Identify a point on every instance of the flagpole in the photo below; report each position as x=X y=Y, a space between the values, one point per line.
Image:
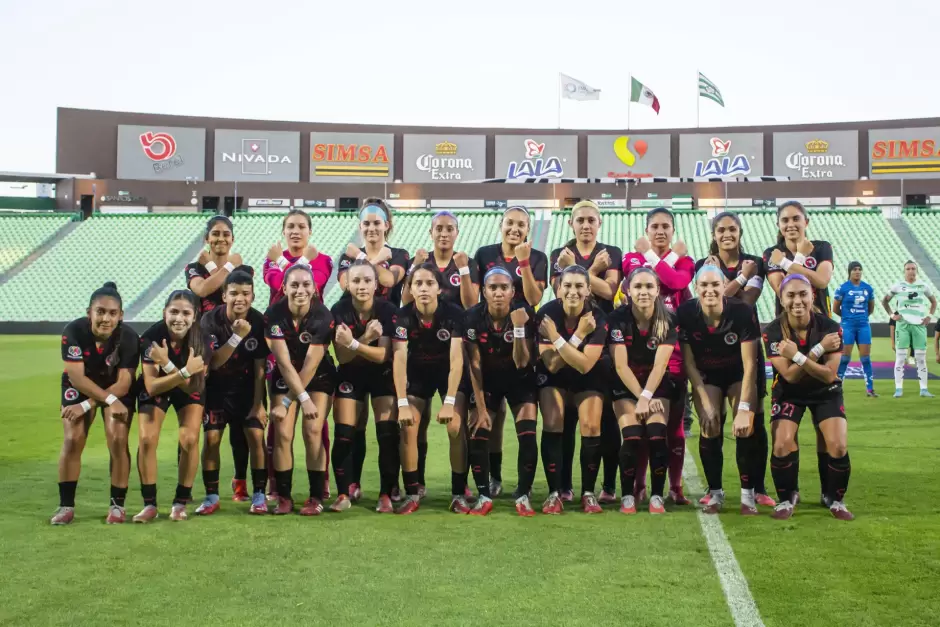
x=629 y=97
x=698 y=100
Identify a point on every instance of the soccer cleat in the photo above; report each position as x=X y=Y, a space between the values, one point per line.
x=765 y=500
x=396 y=494
x=795 y=498
x=62 y=516
x=749 y=510
x=341 y=504
x=178 y=512
x=704 y=499
x=284 y=506
x=898 y=393
x=524 y=507
x=677 y=497
x=240 y=490
x=657 y=506
x=484 y=506
x=716 y=499
x=116 y=515
x=459 y=505
x=312 y=507
x=871 y=394
x=748 y=503
x=607 y=498
x=355 y=492
x=384 y=506
x=782 y=511
x=468 y=494
x=566 y=496
x=496 y=488
x=553 y=504
x=925 y=394
x=628 y=505
x=422 y=491
x=209 y=506
x=410 y=505
x=589 y=504
x=839 y=510
x=147 y=514
x=259 y=505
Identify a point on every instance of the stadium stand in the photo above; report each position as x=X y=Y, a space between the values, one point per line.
x=21 y=234
x=926 y=228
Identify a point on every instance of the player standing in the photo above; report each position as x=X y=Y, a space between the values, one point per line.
x=854 y=301
x=100 y=356
x=912 y=317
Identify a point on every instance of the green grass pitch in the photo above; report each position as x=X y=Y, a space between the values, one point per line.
x=437 y=568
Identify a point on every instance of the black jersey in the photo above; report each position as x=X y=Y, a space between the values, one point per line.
x=492 y=255
x=196 y=270
x=399 y=258
x=641 y=345
x=731 y=272
x=238 y=370
x=495 y=345
x=822 y=251
x=316 y=328
x=820 y=326
x=122 y=350
x=616 y=258
x=451 y=274
x=718 y=348
x=345 y=313
x=429 y=343
x=555 y=310
x=159 y=332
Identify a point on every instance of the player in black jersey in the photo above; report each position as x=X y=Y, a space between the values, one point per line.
x=745 y=275
x=362 y=343
x=501 y=351
x=298 y=329
x=804 y=347
x=375 y=227
x=602 y=262
x=100 y=356
x=642 y=335
x=572 y=335
x=206 y=276
x=235 y=388
x=720 y=340
x=175 y=355
x=428 y=359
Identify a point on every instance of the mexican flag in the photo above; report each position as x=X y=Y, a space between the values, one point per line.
x=643 y=94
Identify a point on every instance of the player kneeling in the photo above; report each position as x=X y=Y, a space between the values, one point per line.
x=720 y=338
x=100 y=356
x=642 y=339
x=804 y=347
x=235 y=387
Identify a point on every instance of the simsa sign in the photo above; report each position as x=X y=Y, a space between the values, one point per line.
x=905 y=153
x=351 y=157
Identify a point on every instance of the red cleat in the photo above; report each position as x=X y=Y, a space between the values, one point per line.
x=459 y=505
x=178 y=512
x=312 y=507
x=284 y=506
x=704 y=499
x=715 y=502
x=384 y=506
x=62 y=516
x=341 y=504
x=147 y=514
x=553 y=504
x=763 y=499
x=783 y=511
x=240 y=491
x=657 y=506
x=839 y=510
x=355 y=492
x=207 y=508
x=483 y=507
x=677 y=497
x=524 y=507
x=566 y=496
x=589 y=504
x=468 y=494
x=116 y=515
x=628 y=505
x=410 y=505
x=422 y=491
x=607 y=498
x=259 y=508
x=748 y=510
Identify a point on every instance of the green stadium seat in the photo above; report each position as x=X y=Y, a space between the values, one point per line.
x=22 y=234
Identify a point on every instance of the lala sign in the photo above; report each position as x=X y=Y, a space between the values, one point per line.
x=721 y=164
x=537 y=168
x=442 y=165
x=817 y=164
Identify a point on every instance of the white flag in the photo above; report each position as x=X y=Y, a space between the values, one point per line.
x=573 y=89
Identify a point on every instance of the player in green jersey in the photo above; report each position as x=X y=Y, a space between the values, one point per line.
x=911 y=297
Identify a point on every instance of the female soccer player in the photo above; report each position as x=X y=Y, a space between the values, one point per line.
x=235 y=388
x=298 y=329
x=572 y=335
x=362 y=343
x=428 y=358
x=642 y=338
x=674 y=269
x=602 y=262
x=859 y=304
x=744 y=279
x=912 y=319
x=100 y=356
x=174 y=358
x=206 y=276
x=375 y=227
x=501 y=351
x=804 y=348
x=461 y=278
x=720 y=338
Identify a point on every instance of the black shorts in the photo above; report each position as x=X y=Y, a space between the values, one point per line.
x=821 y=407
x=570 y=380
x=668 y=389
x=359 y=382
x=516 y=386
x=230 y=408
x=71 y=396
x=175 y=397
x=426 y=380
x=324 y=380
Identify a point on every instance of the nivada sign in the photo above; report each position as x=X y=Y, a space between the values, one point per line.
x=257 y=156
x=346 y=157
x=904 y=152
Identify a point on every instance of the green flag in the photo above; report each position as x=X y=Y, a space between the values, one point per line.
x=707 y=89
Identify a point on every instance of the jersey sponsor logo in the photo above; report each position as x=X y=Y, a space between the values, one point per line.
x=70 y=394
x=305 y=337
x=455 y=279
x=251 y=344
x=507 y=336
x=443 y=335
x=401 y=333
x=75 y=351
x=276 y=331
x=281 y=384
x=810 y=263
x=471 y=334
x=616 y=335
x=731 y=338
x=345 y=387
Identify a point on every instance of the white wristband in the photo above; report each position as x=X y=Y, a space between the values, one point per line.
x=111 y=400
x=799 y=359
x=450 y=400
x=741 y=280
x=575 y=341
x=229 y=267
x=818 y=351
x=403 y=402
x=360 y=256
x=465 y=271
x=169 y=367
x=744 y=406
x=354 y=345
x=785 y=264
x=671 y=259
x=86 y=405
x=518 y=332
x=646 y=394
x=303 y=397
x=286 y=401
x=235 y=340
x=303 y=261
x=211 y=266
x=184 y=373
x=651 y=258
x=799 y=259
x=282 y=262
x=559 y=343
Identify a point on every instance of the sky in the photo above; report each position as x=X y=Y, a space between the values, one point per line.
x=449 y=63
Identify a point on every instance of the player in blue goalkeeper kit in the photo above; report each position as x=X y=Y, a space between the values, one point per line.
x=855 y=302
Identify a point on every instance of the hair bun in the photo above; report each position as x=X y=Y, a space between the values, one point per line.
x=110 y=285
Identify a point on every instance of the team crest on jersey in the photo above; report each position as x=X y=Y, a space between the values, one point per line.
x=109 y=360
x=143 y=396
x=652 y=343
x=473 y=398
x=542 y=379
x=634 y=261
x=471 y=334
x=774 y=348
x=507 y=336
x=147 y=352
x=616 y=335
x=251 y=344
x=193 y=272
x=71 y=394
x=731 y=338
x=401 y=333
x=443 y=335
x=281 y=384
x=214 y=342
x=519 y=271
x=558 y=267
x=75 y=351
x=276 y=331
x=345 y=387
x=455 y=279
x=344 y=263
x=810 y=263
x=774 y=409
x=305 y=337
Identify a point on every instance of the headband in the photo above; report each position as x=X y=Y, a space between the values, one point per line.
x=586 y=203
x=708 y=268
x=497 y=270
x=516 y=208
x=445 y=214
x=373 y=209
x=794 y=277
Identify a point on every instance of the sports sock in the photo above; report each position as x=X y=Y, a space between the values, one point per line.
x=410 y=477
x=210 y=479
x=920 y=358
x=569 y=443
x=713 y=459
x=149 y=493
x=422 y=460
x=343 y=443
x=284 y=480
x=239 y=444
x=118 y=495
x=659 y=456
x=784 y=471
x=642 y=464
x=67 y=493
x=839 y=471
x=822 y=466
x=745 y=454
x=458 y=483
x=258 y=477
x=386 y=433
x=480 y=459
x=317 y=479
x=552 y=444
x=496 y=465
x=528 y=459
x=843 y=364
x=675 y=439
x=590 y=462
x=900 y=358
x=761 y=452
x=358 y=456
x=869 y=375
x=184 y=494
x=269 y=454
x=610 y=448
x=632 y=438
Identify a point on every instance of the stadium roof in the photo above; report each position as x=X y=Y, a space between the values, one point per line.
x=32 y=177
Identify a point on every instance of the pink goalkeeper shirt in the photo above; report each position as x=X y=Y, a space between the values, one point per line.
x=322 y=268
